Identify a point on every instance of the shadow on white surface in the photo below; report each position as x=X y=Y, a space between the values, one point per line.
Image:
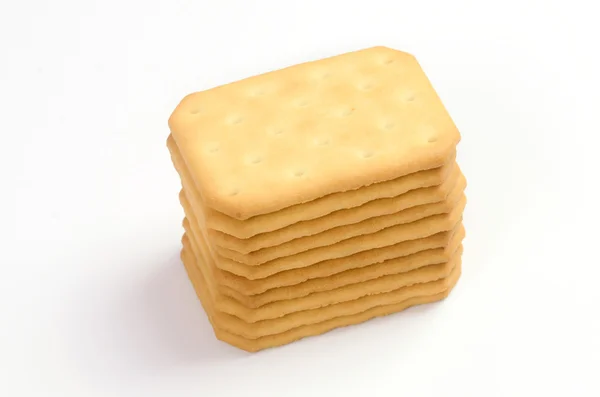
x=123 y=330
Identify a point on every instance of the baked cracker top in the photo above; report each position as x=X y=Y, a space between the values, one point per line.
x=296 y=134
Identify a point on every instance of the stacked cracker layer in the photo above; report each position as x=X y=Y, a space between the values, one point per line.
x=318 y=196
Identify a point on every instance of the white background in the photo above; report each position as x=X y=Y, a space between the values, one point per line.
x=94 y=300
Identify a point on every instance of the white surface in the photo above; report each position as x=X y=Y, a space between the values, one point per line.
x=94 y=300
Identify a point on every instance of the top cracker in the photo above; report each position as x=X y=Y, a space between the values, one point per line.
x=296 y=134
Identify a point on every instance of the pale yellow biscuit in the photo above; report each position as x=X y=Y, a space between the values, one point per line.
x=406 y=297
x=341 y=233
x=287 y=217
x=316 y=300
x=296 y=134
x=392 y=266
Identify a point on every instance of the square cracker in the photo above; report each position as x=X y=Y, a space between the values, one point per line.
x=345 y=248
x=315 y=300
x=276 y=221
x=296 y=134
x=341 y=233
x=418 y=294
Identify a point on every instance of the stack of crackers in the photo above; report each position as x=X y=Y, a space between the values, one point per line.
x=318 y=196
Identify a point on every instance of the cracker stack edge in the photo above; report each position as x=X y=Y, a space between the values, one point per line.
x=318 y=196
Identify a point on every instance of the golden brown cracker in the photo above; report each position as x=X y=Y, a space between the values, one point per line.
x=243 y=229
x=337 y=219
x=243 y=286
x=341 y=233
x=293 y=135
x=277 y=309
x=383 y=238
x=392 y=266
x=424 y=293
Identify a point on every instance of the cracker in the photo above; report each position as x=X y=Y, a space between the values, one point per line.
x=341 y=233
x=402 y=298
x=366 y=116
x=236 y=286
x=373 y=208
x=383 y=238
x=336 y=219
x=231 y=282
x=316 y=300
x=271 y=341
x=310 y=210
x=392 y=266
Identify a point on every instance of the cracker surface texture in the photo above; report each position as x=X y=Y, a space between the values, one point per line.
x=296 y=134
